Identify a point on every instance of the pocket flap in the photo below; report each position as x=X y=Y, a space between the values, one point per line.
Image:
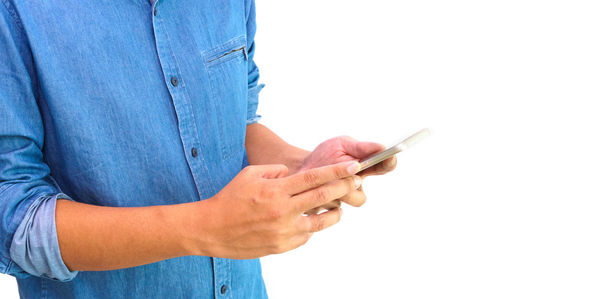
x=229 y=49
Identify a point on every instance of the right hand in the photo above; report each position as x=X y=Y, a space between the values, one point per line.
x=260 y=212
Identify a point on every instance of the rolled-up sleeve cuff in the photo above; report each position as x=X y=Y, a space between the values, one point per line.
x=253 y=104
x=34 y=247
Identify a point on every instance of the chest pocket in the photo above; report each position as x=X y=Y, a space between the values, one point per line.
x=227 y=66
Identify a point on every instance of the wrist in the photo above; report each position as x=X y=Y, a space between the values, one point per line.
x=265 y=147
x=184 y=223
x=295 y=159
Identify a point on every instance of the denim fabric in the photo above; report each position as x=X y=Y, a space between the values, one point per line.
x=121 y=103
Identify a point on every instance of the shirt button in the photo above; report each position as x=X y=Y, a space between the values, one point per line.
x=194 y=152
x=223 y=289
x=154 y=12
x=174 y=81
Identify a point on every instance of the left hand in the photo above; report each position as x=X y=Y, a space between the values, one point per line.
x=344 y=148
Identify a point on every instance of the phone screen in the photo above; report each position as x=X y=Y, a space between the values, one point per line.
x=392 y=150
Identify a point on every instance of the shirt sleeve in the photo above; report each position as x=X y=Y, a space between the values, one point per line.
x=253 y=87
x=28 y=194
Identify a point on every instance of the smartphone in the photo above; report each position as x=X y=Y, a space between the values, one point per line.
x=394 y=149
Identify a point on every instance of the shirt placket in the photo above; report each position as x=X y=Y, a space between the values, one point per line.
x=189 y=137
x=176 y=86
x=222 y=282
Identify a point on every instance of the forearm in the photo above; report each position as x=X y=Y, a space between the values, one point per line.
x=262 y=222
x=95 y=238
x=265 y=147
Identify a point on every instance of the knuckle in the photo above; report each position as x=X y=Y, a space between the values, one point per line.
x=255 y=197
x=319 y=223
x=340 y=172
x=321 y=194
x=362 y=198
x=310 y=177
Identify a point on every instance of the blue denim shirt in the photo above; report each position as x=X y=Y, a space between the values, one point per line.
x=121 y=103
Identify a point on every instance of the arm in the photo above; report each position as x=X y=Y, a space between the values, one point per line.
x=38 y=225
x=28 y=244
x=267 y=219
x=106 y=238
x=263 y=146
x=42 y=232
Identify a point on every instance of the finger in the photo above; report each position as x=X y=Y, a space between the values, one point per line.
x=295 y=241
x=361 y=150
x=300 y=240
x=316 y=177
x=326 y=193
x=315 y=223
x=380 y=168
x=355 y=198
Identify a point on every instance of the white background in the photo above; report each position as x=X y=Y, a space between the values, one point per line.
x=502 y=201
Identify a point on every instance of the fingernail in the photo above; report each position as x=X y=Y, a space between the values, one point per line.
x=357 y=181
x=353 y=168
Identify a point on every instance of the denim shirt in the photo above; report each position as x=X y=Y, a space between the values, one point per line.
x=121 y=103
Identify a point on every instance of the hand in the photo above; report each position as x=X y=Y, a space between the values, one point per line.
x=341 y=149
x=260 y=211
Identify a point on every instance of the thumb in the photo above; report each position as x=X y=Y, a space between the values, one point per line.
x=361 y=149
